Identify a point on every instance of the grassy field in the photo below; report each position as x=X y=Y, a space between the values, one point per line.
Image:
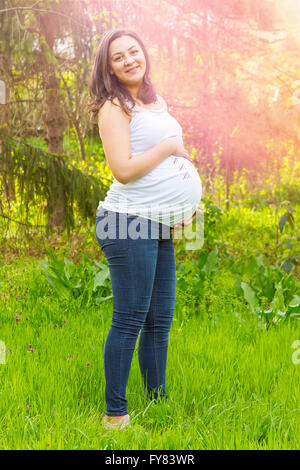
x=233 y=368
x=232 y=383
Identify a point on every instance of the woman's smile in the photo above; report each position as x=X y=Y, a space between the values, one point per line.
x=133 y=70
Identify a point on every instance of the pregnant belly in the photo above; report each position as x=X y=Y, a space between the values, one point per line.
x=178 y=180
x=173 y=187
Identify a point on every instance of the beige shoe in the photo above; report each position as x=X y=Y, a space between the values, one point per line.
x=124 y=421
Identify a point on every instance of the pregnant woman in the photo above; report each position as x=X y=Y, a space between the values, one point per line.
x=155 y=188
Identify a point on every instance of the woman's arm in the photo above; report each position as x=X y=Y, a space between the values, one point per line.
x=140 y=164
x=114 y=129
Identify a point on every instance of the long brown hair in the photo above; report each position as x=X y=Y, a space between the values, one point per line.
x=104 y=86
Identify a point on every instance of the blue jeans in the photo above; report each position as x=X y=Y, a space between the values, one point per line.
x=142 y=272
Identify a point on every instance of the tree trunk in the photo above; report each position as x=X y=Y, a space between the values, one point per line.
x=54 y=128
x=52 y=112
x=9 y=193
x=52 y=115
x=80 y=139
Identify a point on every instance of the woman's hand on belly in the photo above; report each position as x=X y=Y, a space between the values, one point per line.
x=187 y=222
x=187 y=156
x=179 y=149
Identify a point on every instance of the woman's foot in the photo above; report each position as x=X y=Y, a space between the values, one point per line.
x=116 y=422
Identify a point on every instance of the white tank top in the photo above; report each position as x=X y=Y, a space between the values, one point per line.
x=170 y=192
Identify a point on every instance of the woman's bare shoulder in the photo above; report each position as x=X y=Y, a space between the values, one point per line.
x=111 y=104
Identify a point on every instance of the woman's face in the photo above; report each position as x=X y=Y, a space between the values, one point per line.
x=127 y=60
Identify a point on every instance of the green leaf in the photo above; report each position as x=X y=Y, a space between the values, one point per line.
x=181 y=283
x=251 y=267
x=287 y=265
x=56 y=265
x=99 y=300
x=283 y=220
x=249 y=295
x=291 y=220
x=54 y=275
x=68 y=268
x=99 y=265
x=58 y=286
x=238 y=289
x=277 y=303
x=211 y=262
x=260 y=260
x=100 y=278
x=295 y=302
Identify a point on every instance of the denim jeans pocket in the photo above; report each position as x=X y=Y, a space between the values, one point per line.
x=107 y=231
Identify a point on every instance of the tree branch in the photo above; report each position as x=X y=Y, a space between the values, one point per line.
x=21 y=223
x=40 y=10
x=6 y=10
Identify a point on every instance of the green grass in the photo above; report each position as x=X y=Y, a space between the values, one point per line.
x=232 y=384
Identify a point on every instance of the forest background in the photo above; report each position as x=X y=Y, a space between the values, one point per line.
x=228 y=70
